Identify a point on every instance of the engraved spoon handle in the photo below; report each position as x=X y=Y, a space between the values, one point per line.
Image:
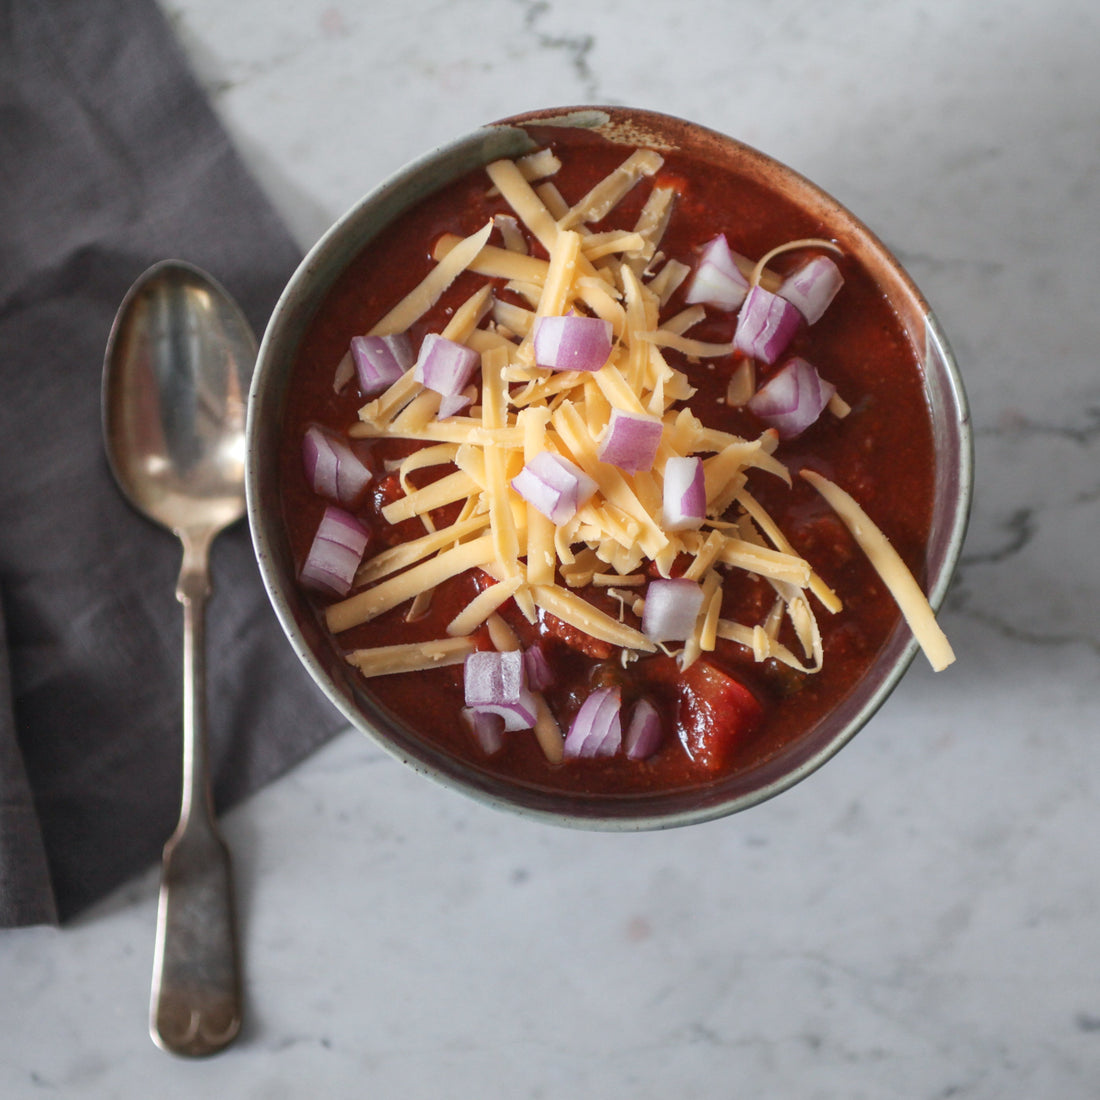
x=196 y=996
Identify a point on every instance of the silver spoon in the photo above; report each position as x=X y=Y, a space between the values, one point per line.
x=175 y=381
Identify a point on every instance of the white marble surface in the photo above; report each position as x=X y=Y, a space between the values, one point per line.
x=921 y=918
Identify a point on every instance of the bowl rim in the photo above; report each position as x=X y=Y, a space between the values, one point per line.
x=303 y=294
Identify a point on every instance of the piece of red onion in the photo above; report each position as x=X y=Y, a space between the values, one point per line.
x=540 y=673
x=597 y=728
x=453 y=403
x=631 y=441
x=671 y=608
x=572 y=342
x=812 y=287
x=445 y=366
x=765 y=325
x=487 y=729
x=717 y=280
x=335 y=553
x=645 y=732
x=496 y=683
x=380 y=360
x=792 y=399
x=553 y=485
x=684 y=505
x=332 y=468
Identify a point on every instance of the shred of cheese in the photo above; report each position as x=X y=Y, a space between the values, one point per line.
x=547 y=731
x=557 y=290
x=469 y=315
x=687 y=318
x=552 y=199
x=894 y=572
x=697 y=349
x=521 y=197
x=652 y=223
x=762 y=645
x=539 y=164
x=742 y=384
x=424 y=458
x=372 y=602
x=780 y=541
x=423 y=296
x=494 y=262
x=515 y=318
x=510 y=233
x=421 y=604
x=598 y=245
x=399 y=557
x=436 y=494
x=572 y=609
x=383 y=408
x=756 y=273
x=603 y=302
x=411 y=656
x=667 y=281
x=612 y=189
x=483 y=605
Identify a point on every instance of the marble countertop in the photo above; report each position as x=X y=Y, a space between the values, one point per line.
x=917 y=919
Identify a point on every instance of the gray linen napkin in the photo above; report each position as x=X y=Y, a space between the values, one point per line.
x=110 y=159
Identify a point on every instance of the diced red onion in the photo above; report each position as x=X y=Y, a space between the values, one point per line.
x=717 y=280
x=380 y=360
x=572 y=342
x=792 y=399
x=496 y=683
x=765 y=325
x=540 y=673
x=631 y=441
x=645 y=732
x=336 y=552
x=597 y=728
x=671 y=608
x=553 y=485
x=332 y=468
x=455 y=403
x=812 y=287
x=685 y=494
x=487 y=729
x=445 y=366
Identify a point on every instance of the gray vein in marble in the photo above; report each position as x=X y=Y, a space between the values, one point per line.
x=576 y=47
x=1022 y=427
x=1020 y=528
x=1015 y=632
x=983 y=267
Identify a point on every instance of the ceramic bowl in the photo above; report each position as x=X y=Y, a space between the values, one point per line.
x=351 y=695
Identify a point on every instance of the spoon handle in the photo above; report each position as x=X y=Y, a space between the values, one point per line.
x=196 y=996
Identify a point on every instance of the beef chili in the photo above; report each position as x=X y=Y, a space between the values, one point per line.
x=678 y=595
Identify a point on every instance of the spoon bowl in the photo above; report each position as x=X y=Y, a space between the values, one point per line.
x=176 y=374
x=179 y=363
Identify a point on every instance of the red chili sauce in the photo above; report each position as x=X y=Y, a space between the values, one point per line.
x=881 y=453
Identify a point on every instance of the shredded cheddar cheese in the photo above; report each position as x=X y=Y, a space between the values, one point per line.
x=893 y=571
x=617 y=537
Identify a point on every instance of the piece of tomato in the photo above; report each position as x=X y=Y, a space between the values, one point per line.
x=715 y=712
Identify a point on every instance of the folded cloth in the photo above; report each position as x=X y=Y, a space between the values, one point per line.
x=111 y=159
